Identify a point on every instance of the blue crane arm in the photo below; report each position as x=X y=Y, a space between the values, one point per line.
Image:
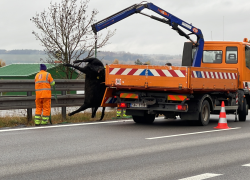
x=169 y=19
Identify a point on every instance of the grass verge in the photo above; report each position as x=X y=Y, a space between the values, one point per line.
x=13 y=121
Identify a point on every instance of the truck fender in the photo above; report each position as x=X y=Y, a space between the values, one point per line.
x=194 y=107
x=195 y=103
x=210 y=100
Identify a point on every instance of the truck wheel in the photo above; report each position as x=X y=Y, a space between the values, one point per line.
x=149 y=118
x=243 y=113
x=138 y=119
x=146 y=119
x=204 y=114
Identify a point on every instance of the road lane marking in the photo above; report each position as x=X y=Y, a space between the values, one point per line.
x=186 y=134
x=60 y=126
x=65 y=125
x=246 y=165
x=201 y=176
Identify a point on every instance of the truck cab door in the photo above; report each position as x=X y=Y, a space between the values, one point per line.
x=246 y=67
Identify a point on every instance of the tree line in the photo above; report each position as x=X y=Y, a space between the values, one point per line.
x=107 y=57
x=21 y=51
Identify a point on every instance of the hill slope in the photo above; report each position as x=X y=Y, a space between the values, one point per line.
x=35 y=56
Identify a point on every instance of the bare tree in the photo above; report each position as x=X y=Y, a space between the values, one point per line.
x=2 y=63
x=138 y=62
x=66 y=34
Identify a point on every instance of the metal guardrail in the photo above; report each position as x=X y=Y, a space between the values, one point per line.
x=29 y=85
x=25 y=102
x=28 y=102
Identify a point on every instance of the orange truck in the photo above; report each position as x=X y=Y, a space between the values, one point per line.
x=193 y=93
x=211 y=72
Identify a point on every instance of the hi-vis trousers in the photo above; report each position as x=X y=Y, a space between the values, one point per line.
x=43 y=106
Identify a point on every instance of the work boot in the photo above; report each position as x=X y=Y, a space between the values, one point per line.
x=37 y=120
x=45 y=120
x=124 y=113
x=118 y=113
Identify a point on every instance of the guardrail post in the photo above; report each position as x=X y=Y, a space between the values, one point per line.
x=93 y=109
x=64 y=108
x=29 y=110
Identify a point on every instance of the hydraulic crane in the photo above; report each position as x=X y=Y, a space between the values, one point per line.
x=169 y=19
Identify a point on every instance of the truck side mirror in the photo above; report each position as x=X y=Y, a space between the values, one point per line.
x=187 y=58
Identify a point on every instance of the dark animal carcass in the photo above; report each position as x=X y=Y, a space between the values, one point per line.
x=94 y=85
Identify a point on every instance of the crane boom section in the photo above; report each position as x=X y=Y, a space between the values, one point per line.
x=168 y=19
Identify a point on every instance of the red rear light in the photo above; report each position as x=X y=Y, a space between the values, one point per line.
x=181 y=107
x=123 y=105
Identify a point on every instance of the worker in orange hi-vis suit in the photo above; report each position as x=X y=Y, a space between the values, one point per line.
x=43 y=83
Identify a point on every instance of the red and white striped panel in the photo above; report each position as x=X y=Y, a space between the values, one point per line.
x=168 y=73
x=150 y=72
x=236 y=98
x=213 y=75
x=246 y=85
x=109 y=100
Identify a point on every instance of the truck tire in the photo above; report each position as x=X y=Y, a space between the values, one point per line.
x=204 y=114
x=244 y=112
x=138 y=119
x=146 y=119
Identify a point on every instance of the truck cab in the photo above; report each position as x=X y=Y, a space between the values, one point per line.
x=223 y=55
x=228 y=55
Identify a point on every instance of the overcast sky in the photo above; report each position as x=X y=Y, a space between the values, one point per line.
x=137 y=33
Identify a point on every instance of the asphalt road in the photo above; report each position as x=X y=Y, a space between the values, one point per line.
x=167 y=149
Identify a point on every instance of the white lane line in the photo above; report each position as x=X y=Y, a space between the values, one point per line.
x=201 y=176
x=202 y=132
x=66 y=125
x=246 y=165
x=60 y=126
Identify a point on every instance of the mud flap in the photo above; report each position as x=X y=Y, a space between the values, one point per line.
x=108 y=99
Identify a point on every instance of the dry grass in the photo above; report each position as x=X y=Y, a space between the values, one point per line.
x=56 y=119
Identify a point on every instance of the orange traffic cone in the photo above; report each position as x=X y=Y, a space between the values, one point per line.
x=222 y=121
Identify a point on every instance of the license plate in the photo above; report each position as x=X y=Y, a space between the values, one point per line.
x=138 y=105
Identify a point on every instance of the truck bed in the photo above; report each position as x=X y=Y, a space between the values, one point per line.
x=171 y=78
